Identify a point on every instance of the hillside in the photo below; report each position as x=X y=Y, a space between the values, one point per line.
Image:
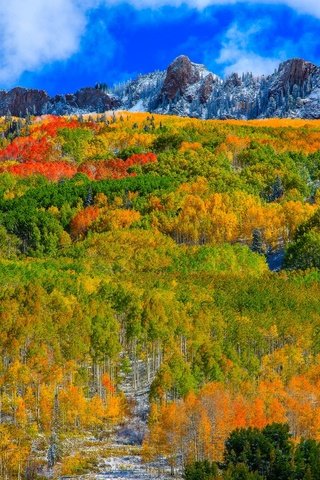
x=139 y=319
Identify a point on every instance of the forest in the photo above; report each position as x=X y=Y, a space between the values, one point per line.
x=132 y=239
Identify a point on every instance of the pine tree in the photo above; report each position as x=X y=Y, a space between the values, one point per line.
x=257 y=241
x=89 y=198
x=8 y=117
x=277 y=190
x=53 y=453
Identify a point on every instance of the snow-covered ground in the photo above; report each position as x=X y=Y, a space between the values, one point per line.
x=131 y=467
x=124 y=460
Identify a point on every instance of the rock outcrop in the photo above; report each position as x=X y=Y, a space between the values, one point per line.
x=21 y=101
x=85 y=100
x=180 y=75
x=295 y=72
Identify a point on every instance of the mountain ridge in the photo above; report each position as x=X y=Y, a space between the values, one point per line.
x=188 y=89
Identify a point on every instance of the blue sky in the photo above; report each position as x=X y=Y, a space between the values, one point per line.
x=62 y=45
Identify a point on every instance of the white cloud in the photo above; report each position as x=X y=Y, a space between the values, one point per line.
x=34 y=33
x=237 y=55
x=311 y=7
x=252 y=63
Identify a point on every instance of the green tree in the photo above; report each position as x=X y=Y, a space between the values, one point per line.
x=240 y=472
x=307 y=460
x=257 y=241
x=267 y=452
x=202 y=470
x=74 y=142
x=304 y=252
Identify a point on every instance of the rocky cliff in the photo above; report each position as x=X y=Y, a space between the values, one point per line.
x=188 y=89
x=22 y=101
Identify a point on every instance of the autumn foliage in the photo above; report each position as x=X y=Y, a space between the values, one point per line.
x=54 y=171
x=197 y=427
x=26 y=149
x=139 y=250
x=82 y=221
x=116 y=168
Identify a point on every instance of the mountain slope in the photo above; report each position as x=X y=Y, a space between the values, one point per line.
x=188 y=89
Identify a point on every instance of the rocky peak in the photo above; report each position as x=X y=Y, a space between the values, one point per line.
x=292 y=72
x=296 y=70
x=233 y=81
x=96 y=99
x=20 y=101
x=86 y=99
x=207 y=87
x=180 y=75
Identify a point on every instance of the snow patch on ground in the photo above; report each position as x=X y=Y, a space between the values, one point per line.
x=128 y=438
x=138 y=107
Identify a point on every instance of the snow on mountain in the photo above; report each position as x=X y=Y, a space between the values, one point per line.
x=136 y=95
x=188 y=89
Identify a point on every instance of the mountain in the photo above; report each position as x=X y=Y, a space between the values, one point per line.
x=183 y=89
x=21 y=101
x=188 y=89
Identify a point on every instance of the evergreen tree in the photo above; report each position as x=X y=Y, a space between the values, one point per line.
x=267 y=452
x=257 y=241
x=240 y=472
x=307 y=460
x=201 y=470
x=53 y=453
x=280 y=467
x=89 y=198
x=8 y=117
